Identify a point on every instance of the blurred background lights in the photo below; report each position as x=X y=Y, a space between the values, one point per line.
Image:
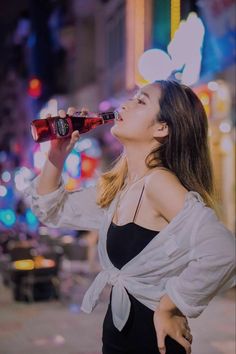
x=50 y=108
x=39 y=159
x=20 y=182
x=83 y=144
x=3 y=191
x=3 y=156
x=225 y=127
x=104 y=106
x=45 y=146
x=213 y=85
x=35 y=87
x=22 y=178
x=72 y=164
x=226 y=144
x=90 y=146
x=26 y=172
x=204 y=99
x=6 y=176
x=71 y=183
x=223 y=92
x=43 y=231
x=155 y=64
x=8 y=217
x=31 y=218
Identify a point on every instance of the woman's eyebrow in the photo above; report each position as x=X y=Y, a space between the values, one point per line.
x=145 y=94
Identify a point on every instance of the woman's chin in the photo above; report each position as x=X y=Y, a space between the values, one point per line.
x=115 y=132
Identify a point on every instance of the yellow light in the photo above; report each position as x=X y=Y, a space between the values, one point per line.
x=205 y=99
x=71 y=184
x=130 y=44
x=139 y=36
x=175 y=16
x=135 y=34
x=24 y=264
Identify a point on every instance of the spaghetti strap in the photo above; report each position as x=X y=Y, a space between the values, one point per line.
x=136 y=211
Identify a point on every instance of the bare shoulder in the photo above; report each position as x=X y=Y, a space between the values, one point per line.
x=165 y=192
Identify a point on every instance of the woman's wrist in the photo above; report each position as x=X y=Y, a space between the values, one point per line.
x=56 y=159
x=167 y=305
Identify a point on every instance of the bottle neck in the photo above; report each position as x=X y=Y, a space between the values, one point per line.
x=108 y=116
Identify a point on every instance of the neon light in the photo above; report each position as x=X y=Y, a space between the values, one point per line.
x=7 y=217
x=139 y=36
x=175 y=16
x=135 y=37
x=130 y=14
x=31 y=218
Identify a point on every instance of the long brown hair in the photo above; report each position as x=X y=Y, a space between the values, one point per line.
x=185 y=151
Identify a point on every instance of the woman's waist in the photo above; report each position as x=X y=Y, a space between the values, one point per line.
x=135 y=303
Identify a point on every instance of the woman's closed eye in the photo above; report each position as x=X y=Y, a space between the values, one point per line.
x=140 y=101
x=138 y=98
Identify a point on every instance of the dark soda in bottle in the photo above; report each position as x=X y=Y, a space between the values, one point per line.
x=59 y=128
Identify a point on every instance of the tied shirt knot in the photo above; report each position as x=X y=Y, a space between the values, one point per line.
x=120 y=302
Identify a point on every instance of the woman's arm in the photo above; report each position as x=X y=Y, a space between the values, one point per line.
x=50 y=175
x=60 y=208
x=167 y=197
x=51 y=203
x=211 y=266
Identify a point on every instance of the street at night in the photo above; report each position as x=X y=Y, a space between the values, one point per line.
x=117 y=176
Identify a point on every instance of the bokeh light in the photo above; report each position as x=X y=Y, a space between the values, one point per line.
x=155 y=64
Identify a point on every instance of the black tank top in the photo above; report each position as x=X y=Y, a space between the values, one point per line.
x=124 y=242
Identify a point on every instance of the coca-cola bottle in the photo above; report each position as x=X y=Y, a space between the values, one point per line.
x=58 y=128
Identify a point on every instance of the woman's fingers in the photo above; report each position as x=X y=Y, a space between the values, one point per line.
x=71 y=111
x=75 y=136
x=84 y=111
x=189 y=337
x=161 y=342
x=62 y=113
x=185 y=343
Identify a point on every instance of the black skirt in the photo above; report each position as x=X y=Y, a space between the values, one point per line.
x=138 y=336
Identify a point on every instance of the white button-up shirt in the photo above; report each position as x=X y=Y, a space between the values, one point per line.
x=191 y=259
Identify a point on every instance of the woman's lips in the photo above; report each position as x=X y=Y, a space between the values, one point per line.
x=119 y=118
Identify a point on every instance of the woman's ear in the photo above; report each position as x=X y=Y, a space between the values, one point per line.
x=160 y=130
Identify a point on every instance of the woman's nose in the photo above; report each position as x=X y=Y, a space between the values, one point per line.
x=127 y=103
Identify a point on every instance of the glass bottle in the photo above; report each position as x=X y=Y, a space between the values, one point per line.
x=59 y=128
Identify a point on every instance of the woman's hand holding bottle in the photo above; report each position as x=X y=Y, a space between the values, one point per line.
x=60 y=148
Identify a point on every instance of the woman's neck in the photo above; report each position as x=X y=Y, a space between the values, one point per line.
x=136 y=163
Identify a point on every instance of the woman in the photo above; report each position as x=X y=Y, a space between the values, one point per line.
x=161 y=246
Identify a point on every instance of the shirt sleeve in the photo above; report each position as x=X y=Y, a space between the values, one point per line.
x=211 y=269
x=63 y=209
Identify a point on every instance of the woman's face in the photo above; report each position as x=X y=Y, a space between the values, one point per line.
x=138 y=116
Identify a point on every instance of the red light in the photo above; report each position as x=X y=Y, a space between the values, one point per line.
x=35 y=88
x=88 y=166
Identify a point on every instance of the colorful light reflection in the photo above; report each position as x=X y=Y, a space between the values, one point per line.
x=8 y=217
